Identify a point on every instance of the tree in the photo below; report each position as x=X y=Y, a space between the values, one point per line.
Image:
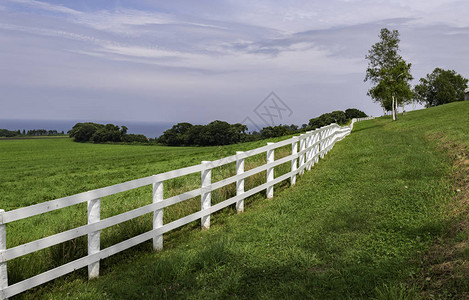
x=99 y=133
x=351 y=113
x=388 y=72
x=339 y=117
x=238 y=133
x=177 y=135
x=440 y=87
x=124 y=130
x=192 y=137
x=107 y=133
x=213 y=134
x=82 y=132
x=275 y=131
x=322 y=120
x=216 y=133
x=315 y=123
x=7 y=133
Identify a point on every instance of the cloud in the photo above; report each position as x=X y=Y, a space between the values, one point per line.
x=214 y=60
x=46 y=6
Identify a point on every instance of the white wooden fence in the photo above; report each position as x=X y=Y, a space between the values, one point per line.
x=313 y=145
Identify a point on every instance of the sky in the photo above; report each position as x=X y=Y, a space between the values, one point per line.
x=199 y=61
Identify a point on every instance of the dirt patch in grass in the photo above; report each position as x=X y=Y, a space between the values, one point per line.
x=445 y=267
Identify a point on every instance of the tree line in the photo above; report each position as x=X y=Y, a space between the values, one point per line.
x=33 y=132
x=216 y=133
x=390 y=77
x=100 y=133
x=219 y=133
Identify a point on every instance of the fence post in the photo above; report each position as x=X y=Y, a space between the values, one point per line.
x=306 y=152
x=206 y=197
x=270 y=171
x=322 y=143
x=334 y=130
x=3 y=247
x=316 y=139
x=327 y=141
x=309 y=142
x=158 y=215
x=302 y=156
x=294 y=151
x=94 y=215
x=240 y=182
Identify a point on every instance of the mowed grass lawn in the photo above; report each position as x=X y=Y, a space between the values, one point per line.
x=360 y=224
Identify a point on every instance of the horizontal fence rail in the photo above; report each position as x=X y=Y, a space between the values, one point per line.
x=307 y=149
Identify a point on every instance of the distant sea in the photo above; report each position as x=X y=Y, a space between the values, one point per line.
x=149 y=129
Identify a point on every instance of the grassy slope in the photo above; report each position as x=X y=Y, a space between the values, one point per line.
x=357 y=225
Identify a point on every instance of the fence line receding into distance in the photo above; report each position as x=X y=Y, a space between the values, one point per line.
x=313 y=145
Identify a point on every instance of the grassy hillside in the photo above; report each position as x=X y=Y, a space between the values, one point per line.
x=380 y=217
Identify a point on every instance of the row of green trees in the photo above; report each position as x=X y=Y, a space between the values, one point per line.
x=99 y=133
x=33 y=132
x=222 y=133
x=390 y=76
x=216 y=133
x=212 y=134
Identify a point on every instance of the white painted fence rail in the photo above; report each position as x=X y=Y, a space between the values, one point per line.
x=312 y=146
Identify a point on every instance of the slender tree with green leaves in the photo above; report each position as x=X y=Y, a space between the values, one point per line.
x=388 y=72
x=440 y=87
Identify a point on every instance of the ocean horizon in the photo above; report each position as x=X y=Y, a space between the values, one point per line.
x=149 y=129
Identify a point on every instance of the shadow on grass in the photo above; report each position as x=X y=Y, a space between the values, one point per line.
x=369 y=127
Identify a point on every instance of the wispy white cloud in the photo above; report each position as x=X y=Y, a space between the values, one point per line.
x=56 y=33
x=127 y=20
x=46 y=6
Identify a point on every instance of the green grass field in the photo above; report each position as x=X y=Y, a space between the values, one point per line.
x=366 y=222
x=45 y=169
